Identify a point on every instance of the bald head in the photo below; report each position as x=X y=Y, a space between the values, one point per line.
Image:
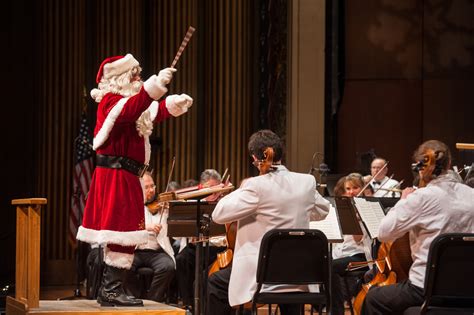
x=375 y=166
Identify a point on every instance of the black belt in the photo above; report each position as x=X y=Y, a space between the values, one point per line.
x=123 y=162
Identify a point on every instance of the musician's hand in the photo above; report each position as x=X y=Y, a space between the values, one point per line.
x=357 y=238
x=157 y=228
x=406 y=192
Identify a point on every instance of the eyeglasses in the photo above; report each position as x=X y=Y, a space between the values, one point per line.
x=150 y=187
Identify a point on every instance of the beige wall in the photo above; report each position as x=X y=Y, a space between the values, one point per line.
x=306 y=83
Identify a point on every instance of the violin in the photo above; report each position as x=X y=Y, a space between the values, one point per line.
x=160 y=201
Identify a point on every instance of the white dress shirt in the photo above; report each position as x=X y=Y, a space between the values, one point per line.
x=161 y=240
x=280 y=199
x=444 y=206
x=385 y=183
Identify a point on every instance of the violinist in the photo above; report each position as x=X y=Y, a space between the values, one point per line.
x=441 y=205
x=277 y=198
x=352 y=249
x=380 y=182
x=157 y=253
x=186 y=259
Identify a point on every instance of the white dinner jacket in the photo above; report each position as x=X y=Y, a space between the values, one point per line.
x=280 y=199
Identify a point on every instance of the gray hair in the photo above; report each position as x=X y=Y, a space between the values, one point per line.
x=210 y=174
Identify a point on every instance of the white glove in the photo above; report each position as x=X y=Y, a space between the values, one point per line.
x=178 y=104
x=165 y=75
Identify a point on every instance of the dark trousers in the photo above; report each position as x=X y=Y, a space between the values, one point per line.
x=392 y=299
x=185 y=269
x=163 y=272
x=338 y=273
x=218 y=293
x=218 y=296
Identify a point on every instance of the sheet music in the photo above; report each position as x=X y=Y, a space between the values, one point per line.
x=371 y=213
x=329 y=226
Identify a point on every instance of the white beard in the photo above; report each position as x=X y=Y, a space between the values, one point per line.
x=131 y=89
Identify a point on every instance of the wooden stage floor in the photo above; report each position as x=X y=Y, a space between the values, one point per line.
x=49 y=304
x=92 y=307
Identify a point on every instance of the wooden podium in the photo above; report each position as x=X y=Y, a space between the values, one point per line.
x=27 y=277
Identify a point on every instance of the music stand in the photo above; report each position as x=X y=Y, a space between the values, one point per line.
x=347 y=215
x=189 y=219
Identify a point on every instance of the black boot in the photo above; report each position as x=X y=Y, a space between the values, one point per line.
x=111 y=293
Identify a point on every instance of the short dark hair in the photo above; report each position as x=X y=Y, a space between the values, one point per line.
x=263 y=139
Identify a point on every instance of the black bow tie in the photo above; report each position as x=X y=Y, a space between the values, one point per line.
x=377 y=183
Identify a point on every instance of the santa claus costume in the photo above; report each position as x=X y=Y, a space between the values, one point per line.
x=113 y=215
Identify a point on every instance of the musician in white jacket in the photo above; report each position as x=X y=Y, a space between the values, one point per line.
x=444 y=205
x=157 y=253
x=277 y=199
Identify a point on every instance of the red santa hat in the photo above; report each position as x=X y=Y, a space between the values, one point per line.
x=116 y=65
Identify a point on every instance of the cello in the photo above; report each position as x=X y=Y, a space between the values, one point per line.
x=394 y=258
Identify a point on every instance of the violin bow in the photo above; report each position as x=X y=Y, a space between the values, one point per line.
x=383 y=183
x=171 y=173
x=368 y=183
x=169 y=180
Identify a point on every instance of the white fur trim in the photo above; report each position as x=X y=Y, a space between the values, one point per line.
x=145 y=126
x=108 y=124
x=119 y=66
x=118 y=260
x=154 y=87
x=153 y=108
x=132 y=238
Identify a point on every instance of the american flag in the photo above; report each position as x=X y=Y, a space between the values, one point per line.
x=82 y=175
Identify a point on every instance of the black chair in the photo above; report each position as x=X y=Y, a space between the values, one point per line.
x=296 y=257
x=449 y=281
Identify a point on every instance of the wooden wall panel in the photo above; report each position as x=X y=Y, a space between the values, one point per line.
x=59 y=106
x=227 y=87
x=390 y=125
x=169 y=22
x=409 y=74
x=383 y=39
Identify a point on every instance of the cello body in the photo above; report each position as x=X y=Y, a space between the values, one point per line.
x=393 y=264
x=224 y=259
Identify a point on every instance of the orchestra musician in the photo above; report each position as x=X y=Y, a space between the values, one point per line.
x=278 y=199
x=351 y=249
x=381 y=182
x=157 y=253
x=186 y=259
x=444 y=205
x=113 y=215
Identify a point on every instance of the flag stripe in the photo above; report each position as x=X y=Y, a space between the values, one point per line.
x=82 y=175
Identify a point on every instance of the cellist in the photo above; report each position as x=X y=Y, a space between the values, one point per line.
x=277 y=198
x=441 y=205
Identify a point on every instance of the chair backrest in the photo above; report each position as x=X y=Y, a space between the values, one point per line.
x=293 y=256
x=449 y=278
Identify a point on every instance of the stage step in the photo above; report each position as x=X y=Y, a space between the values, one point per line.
x=89 y=307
